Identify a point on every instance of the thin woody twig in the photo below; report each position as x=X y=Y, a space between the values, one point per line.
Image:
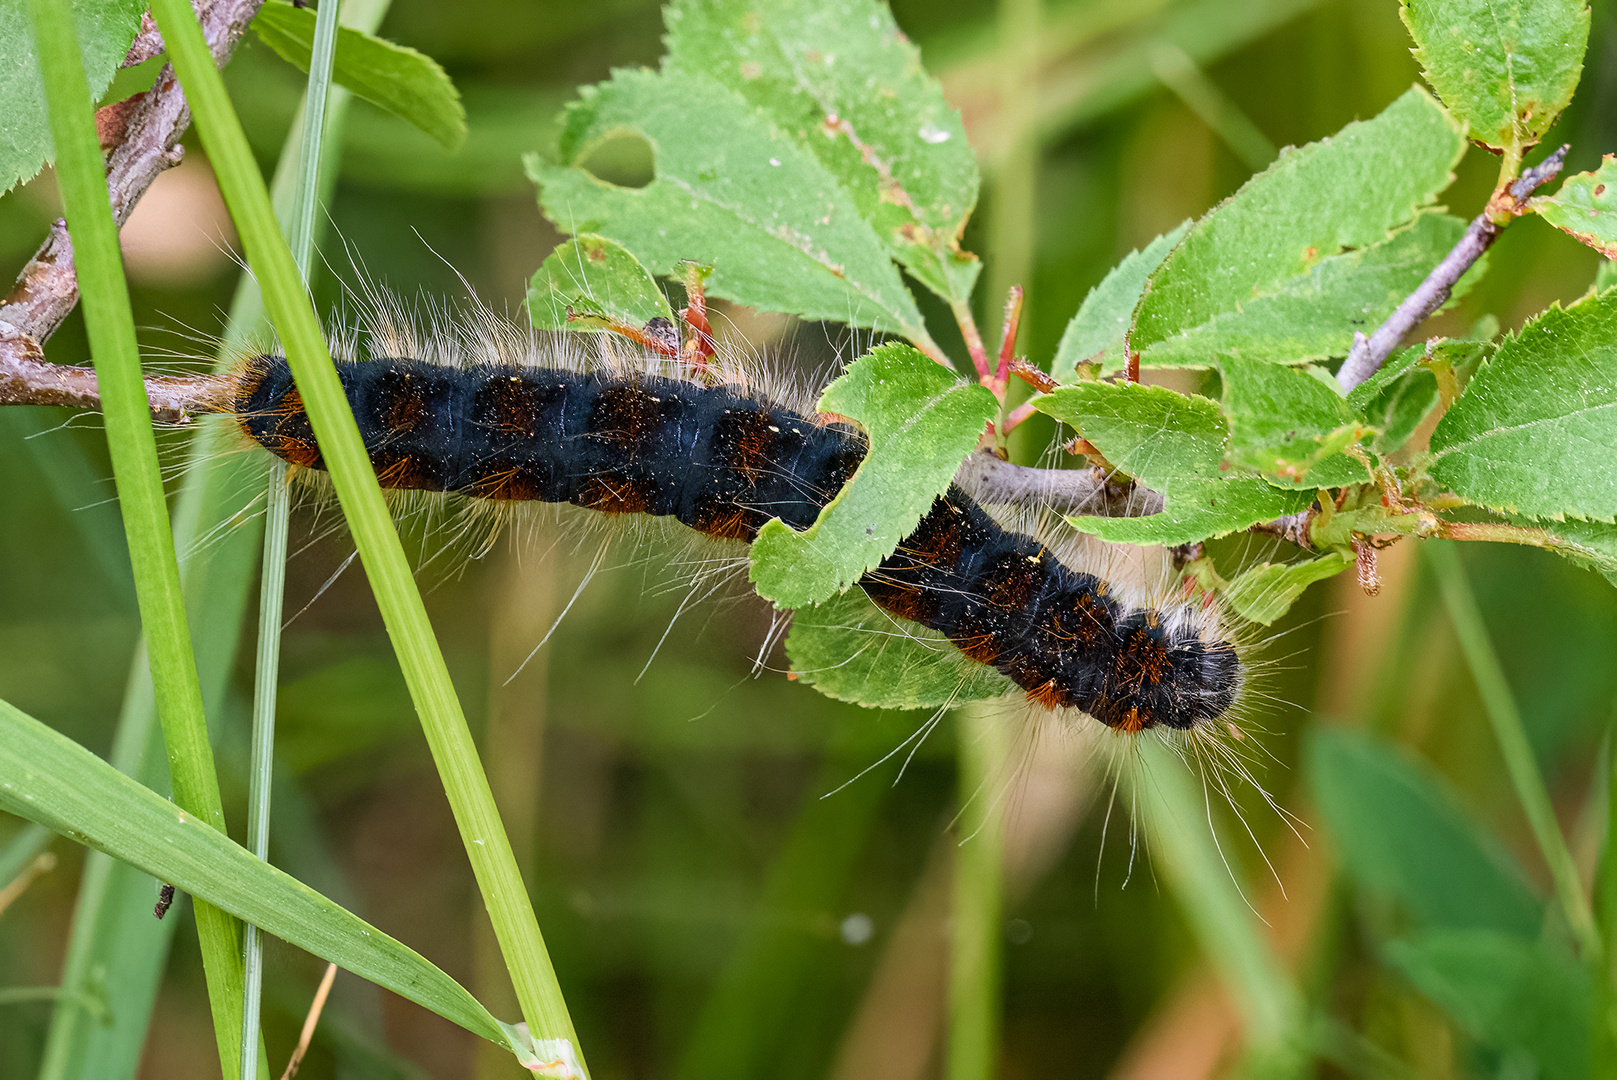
x=142 y=138
x=30 y=380
x=1368 y=353
x=1067 y=491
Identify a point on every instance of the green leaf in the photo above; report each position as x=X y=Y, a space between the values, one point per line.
x=1400 y=831
x=841 y=80
x=1314 y=315
x=1396 y=399
x=776 y=226
x=394 y=78
x=1174 y=444
x=597 y=281
x=1347 y=192
x=1507 y=992
x=104 y=28
x=1290 y=424
x=1533 y=432
x=1585 y=207
x=922 y=421
x=48 y=778
x=846 y=648
x=1098 y=331
x=1263 y=593
x=1506 y=67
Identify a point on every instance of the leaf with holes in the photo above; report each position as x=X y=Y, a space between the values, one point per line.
x=1533 y=432
x=1585 y=207
x=779 y=229
x=849 y=650
x=847 y=86
x=590 y=282
x=1351 y=191
x=922 y=421
x=1507 y=67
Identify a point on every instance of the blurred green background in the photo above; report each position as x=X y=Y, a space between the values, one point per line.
x=712 y=911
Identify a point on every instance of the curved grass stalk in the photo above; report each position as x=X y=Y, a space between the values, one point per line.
x=454 y=752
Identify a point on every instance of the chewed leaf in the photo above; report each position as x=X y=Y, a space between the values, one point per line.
x=1350 y=191
x=1173 y=443
x=922 y=421
x=1199 y=510
x=1290 y=425
x=595 y=281
x=1096 y=334
x=1533 y=432
x=1506 y=68
x=104 y=31
x=842 y=81
x=1586 y=207
x=849 y=650
x=394 y=78
x=1263 y=593
x=1314 y=315
x=779 y=230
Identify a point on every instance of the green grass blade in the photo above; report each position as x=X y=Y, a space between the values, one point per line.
x=111 y=328
x=48 y=778
x=975 y=922
x=278 y=500
x=1177 y=823
x=1506 y=718
x=421 y=660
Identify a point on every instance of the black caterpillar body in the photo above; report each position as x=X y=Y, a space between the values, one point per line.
x=724 y=461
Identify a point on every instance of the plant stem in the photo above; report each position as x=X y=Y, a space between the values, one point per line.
x=975 y=935
x=81 y=177
x=1500 y=705
x=278 y=503
x=403 y=612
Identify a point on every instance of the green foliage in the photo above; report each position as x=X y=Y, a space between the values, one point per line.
x=1314 y=314
x=1508 y=993
x=1265 y=592
x=1352 y=191
x=1533 y=432
x=1402 y=833
x=61 y=785
x=1173 y=444
x=589 y=282
x=1506 y=68
x=104 y=29
x=1396 y=399
x=1585 y=207
x=921 y=421
x=394 y=78
x=1290 y=424
x=849 y=650
x=781 y=230
x=843 y=82
x=1098 y=333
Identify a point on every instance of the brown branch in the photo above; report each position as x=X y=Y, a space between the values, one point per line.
x=1368 y=353
x=1067 y=491
x=174 y=399
x=142 y=136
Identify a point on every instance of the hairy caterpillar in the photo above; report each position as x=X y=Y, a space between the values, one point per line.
x=722 y=458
